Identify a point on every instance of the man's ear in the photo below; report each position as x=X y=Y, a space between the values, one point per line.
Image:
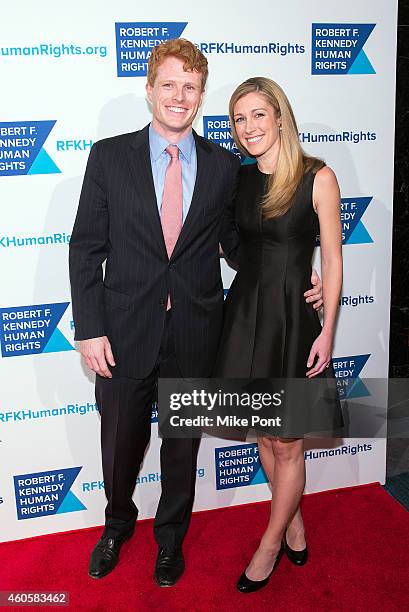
x=149 y=91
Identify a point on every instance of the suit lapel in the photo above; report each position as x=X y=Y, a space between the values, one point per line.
x=140 y=164
x=199 y=192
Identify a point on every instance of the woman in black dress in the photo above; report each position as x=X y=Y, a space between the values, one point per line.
x=283 y=202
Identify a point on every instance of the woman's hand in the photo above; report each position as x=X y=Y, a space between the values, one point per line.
x=321 y=351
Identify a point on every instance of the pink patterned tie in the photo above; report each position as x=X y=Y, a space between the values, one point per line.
x=172 y=203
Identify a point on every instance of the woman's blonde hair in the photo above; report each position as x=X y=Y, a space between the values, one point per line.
x=292 y=161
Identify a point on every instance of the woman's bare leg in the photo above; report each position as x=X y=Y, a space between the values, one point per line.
x=295 y=527
x=288 y=472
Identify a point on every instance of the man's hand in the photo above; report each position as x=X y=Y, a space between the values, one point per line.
x=97 y=352
x=314 y=295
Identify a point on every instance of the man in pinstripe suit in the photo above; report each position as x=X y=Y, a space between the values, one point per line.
x=127 y=334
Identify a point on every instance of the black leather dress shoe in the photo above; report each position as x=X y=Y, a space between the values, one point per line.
x=169 y=567
x=105 y=555
x=298 y=557
x=245 y=585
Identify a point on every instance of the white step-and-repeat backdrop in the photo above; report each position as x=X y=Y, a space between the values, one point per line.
x=74 y=73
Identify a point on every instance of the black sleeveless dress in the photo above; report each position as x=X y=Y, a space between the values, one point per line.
x=268 y=327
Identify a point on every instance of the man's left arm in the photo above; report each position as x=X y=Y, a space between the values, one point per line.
x=229 y=234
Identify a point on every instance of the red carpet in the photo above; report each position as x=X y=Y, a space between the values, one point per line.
x=358 y=539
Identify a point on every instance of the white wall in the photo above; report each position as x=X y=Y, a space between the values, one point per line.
x=82 y=93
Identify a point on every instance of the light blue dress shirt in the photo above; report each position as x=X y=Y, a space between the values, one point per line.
x=160 y=160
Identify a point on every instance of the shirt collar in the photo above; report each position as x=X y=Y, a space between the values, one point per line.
x=158 y=144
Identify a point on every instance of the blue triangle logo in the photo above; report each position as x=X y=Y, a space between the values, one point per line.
x=43 y=164
x=260 y=477
x=71 y=503
x=358 y=390
x=361 y=65
x=360 y=235
x=57 y=343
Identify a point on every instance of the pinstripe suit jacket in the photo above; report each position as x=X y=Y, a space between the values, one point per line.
x=118 y=222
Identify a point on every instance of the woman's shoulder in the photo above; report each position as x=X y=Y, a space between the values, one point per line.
x=325 y=187
x=318 y=172
x=325 y=177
